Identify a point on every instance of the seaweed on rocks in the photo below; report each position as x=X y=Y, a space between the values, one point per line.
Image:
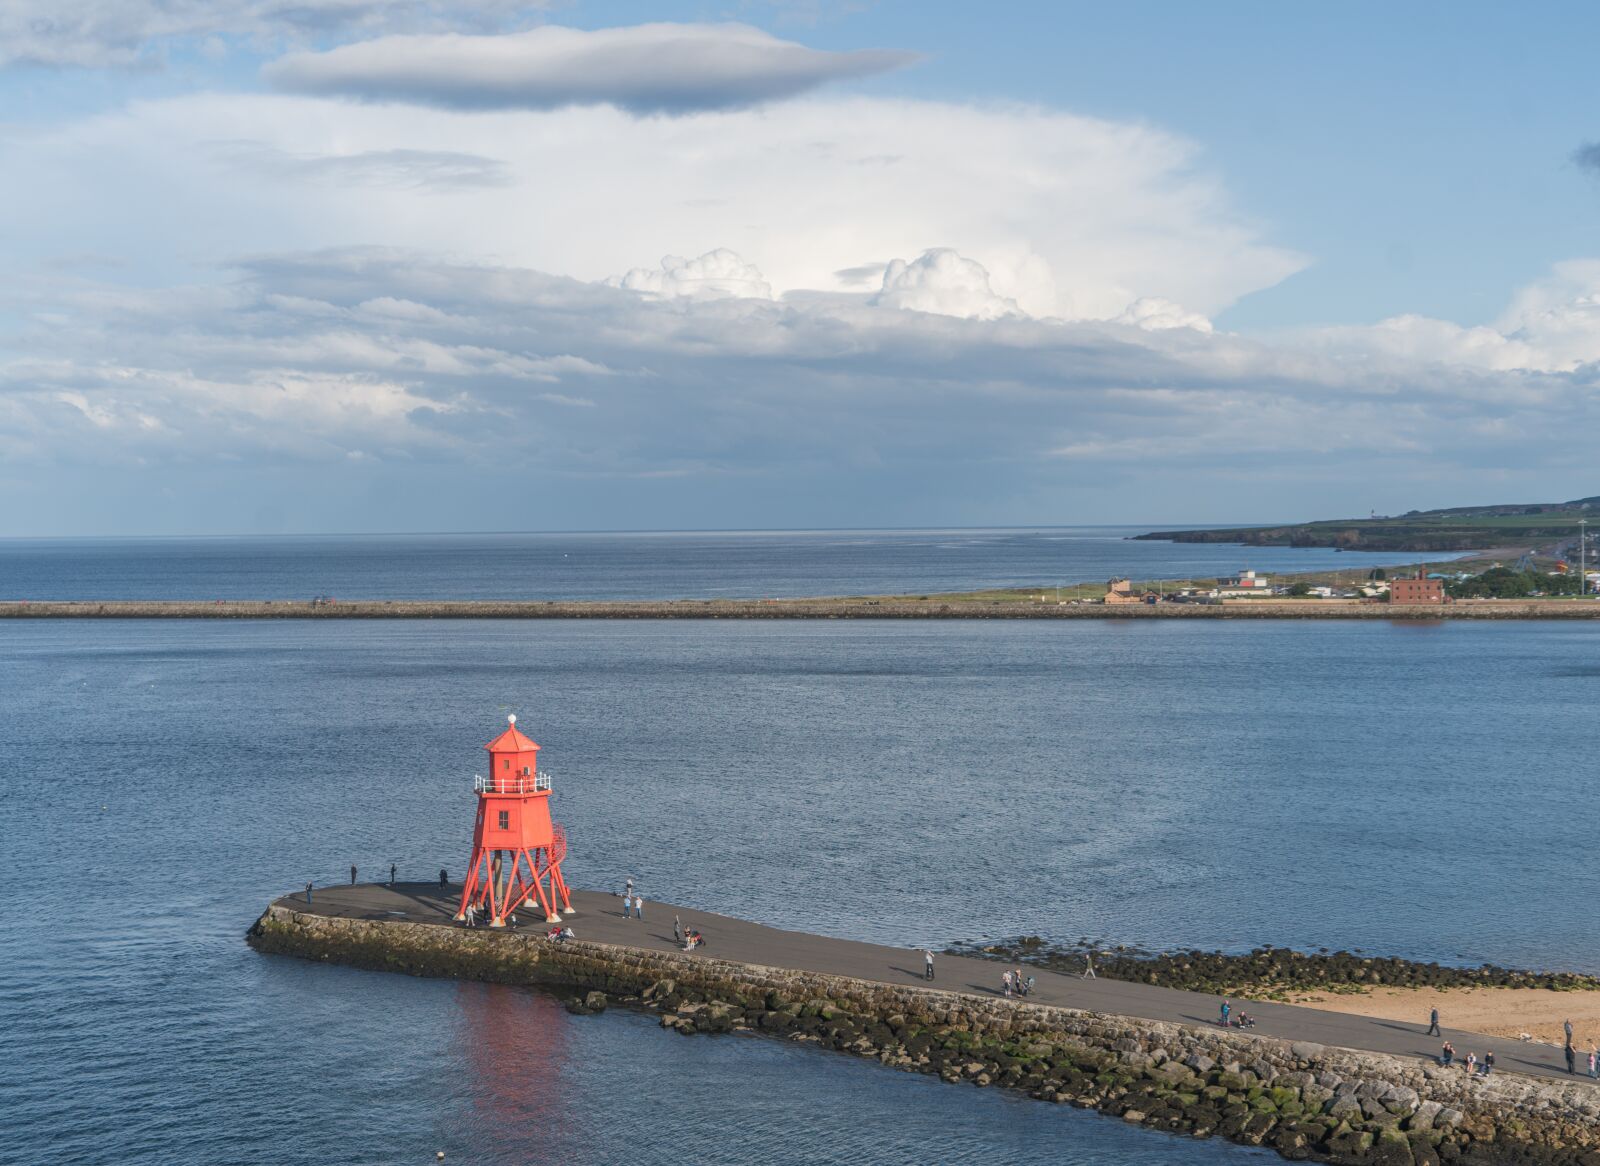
x=1265 y=972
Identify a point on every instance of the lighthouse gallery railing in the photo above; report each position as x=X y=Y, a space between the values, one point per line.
x=538 y=783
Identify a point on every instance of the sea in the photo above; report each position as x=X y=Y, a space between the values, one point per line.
x=1417 y=789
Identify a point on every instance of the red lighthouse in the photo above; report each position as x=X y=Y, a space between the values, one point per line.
x=516 y=848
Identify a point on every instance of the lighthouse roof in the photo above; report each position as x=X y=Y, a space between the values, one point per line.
x=511 y=741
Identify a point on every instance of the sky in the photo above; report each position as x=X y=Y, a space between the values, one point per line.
x=299 y=266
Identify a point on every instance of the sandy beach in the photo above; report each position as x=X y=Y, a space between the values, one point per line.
x=1506 y=1012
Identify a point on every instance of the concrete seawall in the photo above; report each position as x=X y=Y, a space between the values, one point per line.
x=932 y=608
x=1305 y=1100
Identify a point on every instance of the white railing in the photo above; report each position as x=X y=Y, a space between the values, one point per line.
x=538 y=783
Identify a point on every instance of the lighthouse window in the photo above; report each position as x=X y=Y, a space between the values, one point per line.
x=506 y=764
x=505 y=819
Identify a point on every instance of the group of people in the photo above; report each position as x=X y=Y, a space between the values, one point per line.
x=558 y=933
x=1012 y=983
x=632 y=904
x=687 y=938
x=1571 y=1052
x=1228 y=1019
x=1473 y=1066
x=392 y=871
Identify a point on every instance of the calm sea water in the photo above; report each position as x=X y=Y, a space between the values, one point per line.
x=621 y=566
x=1422 y=790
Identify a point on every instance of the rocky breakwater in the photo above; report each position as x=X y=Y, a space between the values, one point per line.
x=1306 y=1101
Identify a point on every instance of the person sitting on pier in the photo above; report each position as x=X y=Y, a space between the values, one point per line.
x=1246 y=1020
x=692 y=939
x=1447 y=1054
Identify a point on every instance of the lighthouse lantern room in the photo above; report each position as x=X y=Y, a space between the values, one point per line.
x=516 y=848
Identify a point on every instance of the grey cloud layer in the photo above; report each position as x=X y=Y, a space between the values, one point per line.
x=651 y=68
x=380 y=355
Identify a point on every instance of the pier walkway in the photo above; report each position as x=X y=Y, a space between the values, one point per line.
x=599 y=919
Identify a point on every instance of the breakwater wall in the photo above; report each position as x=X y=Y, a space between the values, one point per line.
x=935 y=607
x=1306 y=1101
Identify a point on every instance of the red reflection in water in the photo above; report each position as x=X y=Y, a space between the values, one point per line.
x=513 y=1046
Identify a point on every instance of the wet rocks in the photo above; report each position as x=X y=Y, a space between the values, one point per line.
x=1270 y=972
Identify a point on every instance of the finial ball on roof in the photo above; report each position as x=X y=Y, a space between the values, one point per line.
x=512 y=718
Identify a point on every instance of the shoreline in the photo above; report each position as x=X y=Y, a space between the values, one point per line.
x=932 y=607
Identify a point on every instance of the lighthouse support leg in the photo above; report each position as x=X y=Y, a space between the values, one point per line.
x=558 y=889
x=469 y=888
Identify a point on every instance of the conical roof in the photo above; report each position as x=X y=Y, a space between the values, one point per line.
x=511 y=741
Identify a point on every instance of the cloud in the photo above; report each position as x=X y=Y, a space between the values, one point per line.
x=1587 y=156
x=941 y=281
x=402 y=169
x=1108 y=212
x=1550 y=325
x=365 y=358
x=1153 y=314
x=717 y=274
x=648 y=68
x=122 y=33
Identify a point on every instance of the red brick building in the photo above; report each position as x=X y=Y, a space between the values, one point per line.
x=1419 y=590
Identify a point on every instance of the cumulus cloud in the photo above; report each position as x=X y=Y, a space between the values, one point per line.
x=941 y=281
x=647 y=68
x=1587 y=156
x=715 y=275
x=1550 y=325
x=1153 y=314
x=1109 y=212
x=112 y=33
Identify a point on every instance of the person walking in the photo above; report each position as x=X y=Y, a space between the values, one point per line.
x=677 y=931
x=1572 y=1058
x=1226 y=1008
x=1088 y=966
x=1566 y=1027
x=444 y=879
x=1005 y=979
x=1433 y=1024
x=308 y=892
x=391 y=874
x=927 y=964
x=352 y=874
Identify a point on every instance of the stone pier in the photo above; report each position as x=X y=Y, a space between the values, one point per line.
x=1309 y=1084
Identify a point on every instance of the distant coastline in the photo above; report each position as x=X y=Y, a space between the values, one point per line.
x=930 y=607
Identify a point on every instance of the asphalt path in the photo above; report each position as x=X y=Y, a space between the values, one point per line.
x=599 y=918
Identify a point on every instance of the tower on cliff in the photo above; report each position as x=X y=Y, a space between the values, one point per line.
x=516 y=848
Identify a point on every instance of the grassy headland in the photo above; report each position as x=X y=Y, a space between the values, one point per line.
x=1463 y=528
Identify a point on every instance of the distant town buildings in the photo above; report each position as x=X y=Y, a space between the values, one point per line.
x=1418 y=590
x=1245 y=583
x=1121 y=591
